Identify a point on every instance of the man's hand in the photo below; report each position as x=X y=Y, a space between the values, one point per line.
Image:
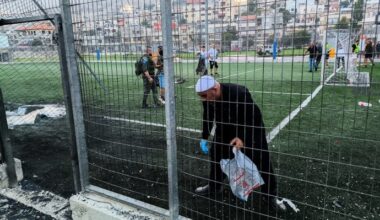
x=147 y=75
x=237 y=142
x=203 y=145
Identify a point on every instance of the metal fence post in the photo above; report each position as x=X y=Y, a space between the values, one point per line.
x=5 y=146
x=75 y=92
x=67 y=97
x=166 y=20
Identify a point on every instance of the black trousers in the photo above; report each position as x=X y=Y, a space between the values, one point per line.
x=147 y=87
x=212 y=64
x=259 y=155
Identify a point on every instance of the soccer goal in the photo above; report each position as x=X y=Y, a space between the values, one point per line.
x=339 y=68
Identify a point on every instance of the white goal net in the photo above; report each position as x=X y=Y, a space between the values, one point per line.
x=339 y=68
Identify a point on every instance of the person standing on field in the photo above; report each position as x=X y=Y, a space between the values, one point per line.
x=148 y=78
x=368 y=50
x=160 y=73
x=312 y=51
x=378 y=49
x=202 y=62
x=213 y=59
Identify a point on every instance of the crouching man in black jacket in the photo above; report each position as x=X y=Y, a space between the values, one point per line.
x=239 y=124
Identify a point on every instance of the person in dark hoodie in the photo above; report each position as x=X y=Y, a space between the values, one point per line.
x=239 y=124
x=202 y=62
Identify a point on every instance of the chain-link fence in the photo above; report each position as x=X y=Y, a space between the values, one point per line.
x=296 y=81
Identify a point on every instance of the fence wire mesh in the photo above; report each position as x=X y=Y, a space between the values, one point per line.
x=11 y=9
x=309 y=67
x=323 y=145
x=30 y=78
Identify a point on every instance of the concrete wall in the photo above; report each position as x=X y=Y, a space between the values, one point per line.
x=4 y=176
x=86 y=206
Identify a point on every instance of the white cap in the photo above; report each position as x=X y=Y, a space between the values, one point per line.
x=205 y=83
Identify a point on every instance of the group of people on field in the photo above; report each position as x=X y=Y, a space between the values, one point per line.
x=206 y=58
x=315 y=52
x=153 y=76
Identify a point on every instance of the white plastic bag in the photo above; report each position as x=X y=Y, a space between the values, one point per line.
x=242 y=174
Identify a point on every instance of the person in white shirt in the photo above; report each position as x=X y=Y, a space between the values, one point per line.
x=213 y=59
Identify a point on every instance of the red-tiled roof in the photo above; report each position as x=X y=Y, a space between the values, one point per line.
x=36 y=27
x=157 y=26
x=248 y=17
x=195 y=1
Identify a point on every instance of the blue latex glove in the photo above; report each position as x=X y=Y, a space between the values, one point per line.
x=203 y=144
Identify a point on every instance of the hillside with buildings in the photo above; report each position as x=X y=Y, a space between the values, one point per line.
x=232 y=25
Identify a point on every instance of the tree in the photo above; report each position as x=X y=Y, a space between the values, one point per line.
x=287 y=40
x=145 y=23
x=270 y=39
x=342 y=24
x=251 y=8
x=357 y=14
x=36 y=42
x=299 y=39
x=249 y=42
x=286 y=16
x=182 y=21
x=229 y=35
x=344 y=4
x=252 y=5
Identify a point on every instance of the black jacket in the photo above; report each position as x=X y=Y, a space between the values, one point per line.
x=236 y=115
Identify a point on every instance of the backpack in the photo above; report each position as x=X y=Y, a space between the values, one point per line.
x=139 y=67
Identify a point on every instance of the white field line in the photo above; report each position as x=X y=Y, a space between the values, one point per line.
x=294 y=113
x=192 y=86
x=270 y=136
x=347 y=85
x=151 y=124
x=282 y=93
x=42 y=201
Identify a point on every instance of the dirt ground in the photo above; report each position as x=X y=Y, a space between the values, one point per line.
x=43 y=149
x=130 y=160
x=12 y=210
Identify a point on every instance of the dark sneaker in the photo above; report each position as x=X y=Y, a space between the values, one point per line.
x=158 y=105
x=145 y=106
